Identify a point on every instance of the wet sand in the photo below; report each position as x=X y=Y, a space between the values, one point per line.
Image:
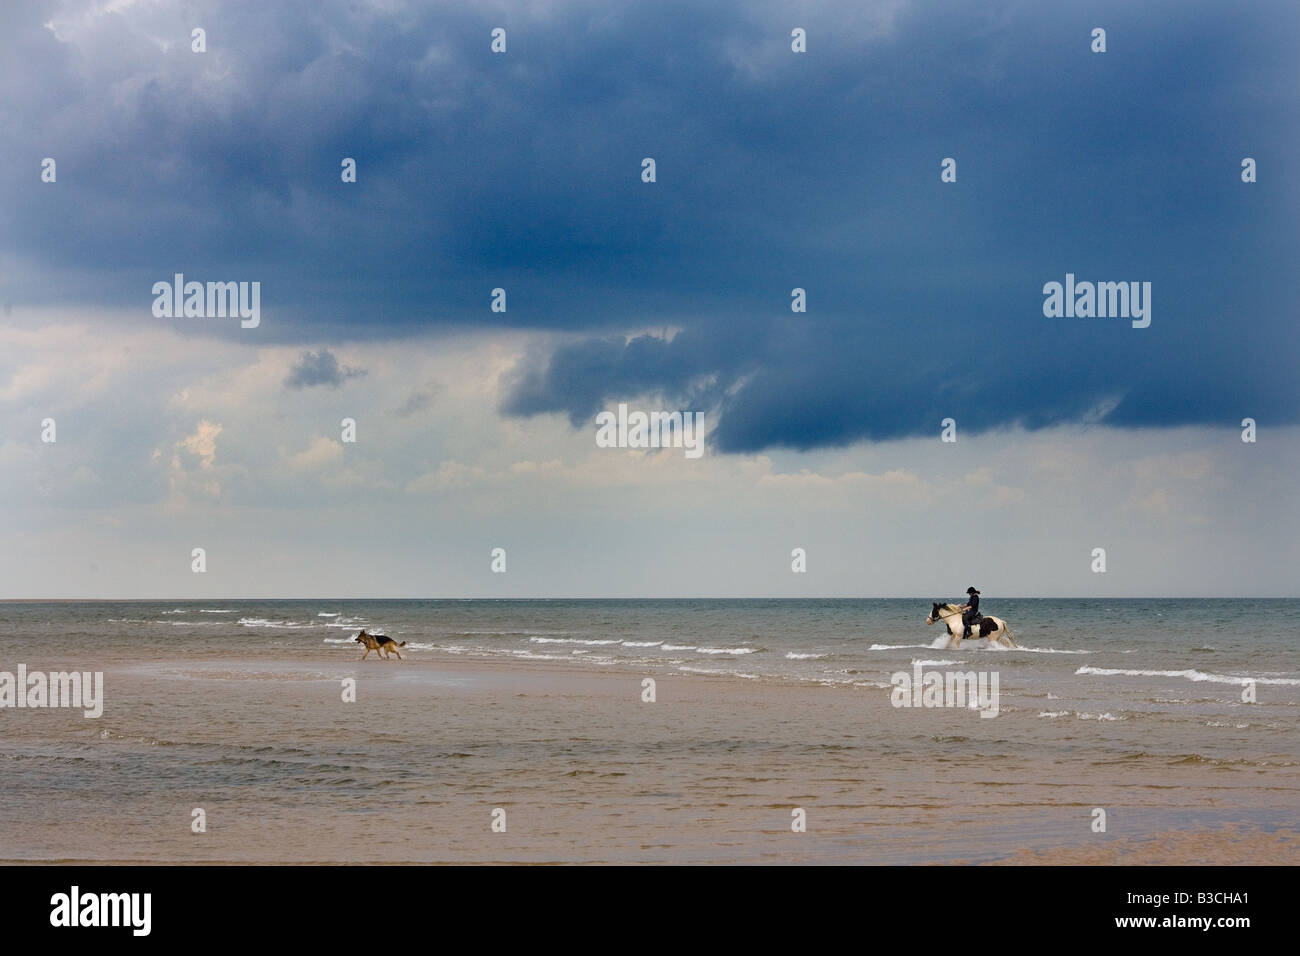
x=586 y=772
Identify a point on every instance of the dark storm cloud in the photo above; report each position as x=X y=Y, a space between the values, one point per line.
x=775 y=170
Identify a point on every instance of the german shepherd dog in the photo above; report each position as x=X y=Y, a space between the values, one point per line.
x=381 y=645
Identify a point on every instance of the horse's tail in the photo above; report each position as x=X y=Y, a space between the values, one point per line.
x=1007 y=628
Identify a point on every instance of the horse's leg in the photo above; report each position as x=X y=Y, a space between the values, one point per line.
x=954 y=636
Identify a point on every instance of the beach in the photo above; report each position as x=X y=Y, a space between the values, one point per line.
x=586 y=770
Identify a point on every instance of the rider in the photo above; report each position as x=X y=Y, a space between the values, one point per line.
x=970 y=612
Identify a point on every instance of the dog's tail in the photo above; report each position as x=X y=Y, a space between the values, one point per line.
x=403 y=644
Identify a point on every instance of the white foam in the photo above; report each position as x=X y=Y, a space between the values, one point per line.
x=204 y=610
x=725 y=650
x=1188 y=674
x=679 y=647
x=1100 y=717
x=1044 y=650
x=1053 y=713
x=899 y=647
x=936 y=663
x=324 y=614
x=717 y=673
x=642 y=643
x=569 y=640
x=792 y=656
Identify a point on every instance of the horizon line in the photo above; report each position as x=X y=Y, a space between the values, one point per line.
x=643 y=597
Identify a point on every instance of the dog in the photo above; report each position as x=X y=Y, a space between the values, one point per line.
x=381 y=645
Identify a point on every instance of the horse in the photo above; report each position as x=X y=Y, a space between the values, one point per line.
x=994 y=628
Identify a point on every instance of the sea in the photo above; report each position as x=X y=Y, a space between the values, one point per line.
x=1168 y=713
x=1116 y=658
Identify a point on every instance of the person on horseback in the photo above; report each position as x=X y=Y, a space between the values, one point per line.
x=970 y=612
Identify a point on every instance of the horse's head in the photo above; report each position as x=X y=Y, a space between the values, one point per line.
x=934 y=613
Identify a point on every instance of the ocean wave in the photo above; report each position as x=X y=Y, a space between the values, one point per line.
x=794 y=656
x=204 y=610
x=263 y=622
x=726 y=650
x=679 y=647
x=1044 y=650
x=642 y=643
x=1188 y=674
x=470 y=632
x=899 y=647
x=1053 y=713
x=935 y=663
x=570 y=640
x=717 y=673
x=179 y=610
x=1106 y=716
x=326 y=614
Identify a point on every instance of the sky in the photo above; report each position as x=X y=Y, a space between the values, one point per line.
x=522 y=170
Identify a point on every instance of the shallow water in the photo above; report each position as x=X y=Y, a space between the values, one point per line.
x=235 y=707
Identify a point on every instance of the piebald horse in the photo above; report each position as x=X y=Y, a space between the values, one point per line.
x=994 y=628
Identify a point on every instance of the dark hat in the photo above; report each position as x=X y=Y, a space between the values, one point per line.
x=971 y=591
